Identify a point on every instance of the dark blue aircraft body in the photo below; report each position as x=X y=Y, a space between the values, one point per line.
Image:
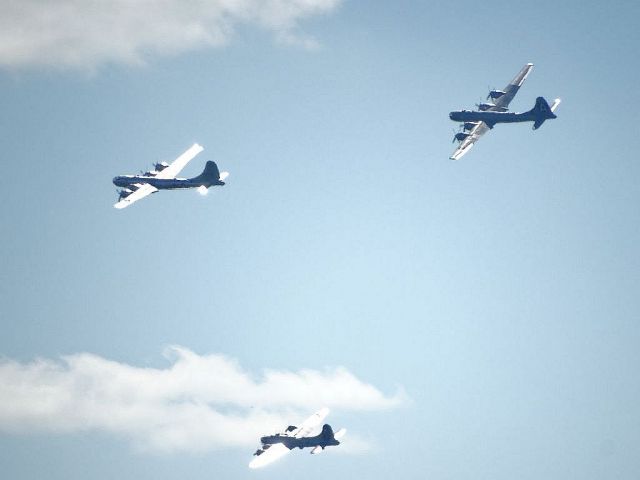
x=209 y=177
x=538 y=114
x=474 y=124
x=324 y=439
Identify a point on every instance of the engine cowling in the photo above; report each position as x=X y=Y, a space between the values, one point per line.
x=124 y=193
x=468 y=126
x=160 y=166
x=460 y=136
x=495 y=94
x=483 y=107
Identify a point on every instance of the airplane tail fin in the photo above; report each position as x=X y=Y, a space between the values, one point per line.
x=327 y=431
x=328 y=437
x=210 y=175
x=542 y=111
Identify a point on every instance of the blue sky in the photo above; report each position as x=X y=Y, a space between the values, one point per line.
x=490 y=304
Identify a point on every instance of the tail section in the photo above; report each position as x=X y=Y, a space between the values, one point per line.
x=327 y=432
x=209 y=176
x=541 y=112
x=328 y=438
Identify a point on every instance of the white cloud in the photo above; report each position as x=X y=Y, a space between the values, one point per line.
x=87 y=33
x=198 y=403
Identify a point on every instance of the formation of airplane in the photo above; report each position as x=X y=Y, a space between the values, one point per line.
x=477 y=123
x=163 y=177
x=474 y=124
x=276 y=446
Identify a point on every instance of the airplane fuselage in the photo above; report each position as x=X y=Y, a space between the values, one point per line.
x=538 y=114
x=304 y=442
x=324 y=439
x=491 y=118
x=160 y=183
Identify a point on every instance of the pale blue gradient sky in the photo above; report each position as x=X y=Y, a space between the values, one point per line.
x=500 y=291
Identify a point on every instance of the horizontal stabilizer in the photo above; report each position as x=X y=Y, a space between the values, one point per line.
x=555 y=104
x=340 y=433
x=223 y=176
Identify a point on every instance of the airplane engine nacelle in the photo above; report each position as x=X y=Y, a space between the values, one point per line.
x=125 y=192
x=483 y=107
x=494 y=94
x=460 y=136
x=160 y=166
x=469 y=125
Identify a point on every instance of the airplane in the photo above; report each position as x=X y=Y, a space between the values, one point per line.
x=276 y=446
x=163 y=177
x=477 y=123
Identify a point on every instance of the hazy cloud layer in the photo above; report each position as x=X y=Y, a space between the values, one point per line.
x=87 y=33
x=198 y=403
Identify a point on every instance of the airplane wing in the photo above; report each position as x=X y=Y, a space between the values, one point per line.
x=179 y=163
x=501 y=103
x=273 y=453
x=278 y=450
x=513 y=87
x=470 y=141
x=143 y=190
x=311 y=423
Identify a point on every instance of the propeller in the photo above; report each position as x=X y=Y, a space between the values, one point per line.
x=483 y=106
x=494 y=93
x=459 y=135
x=489 y=94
